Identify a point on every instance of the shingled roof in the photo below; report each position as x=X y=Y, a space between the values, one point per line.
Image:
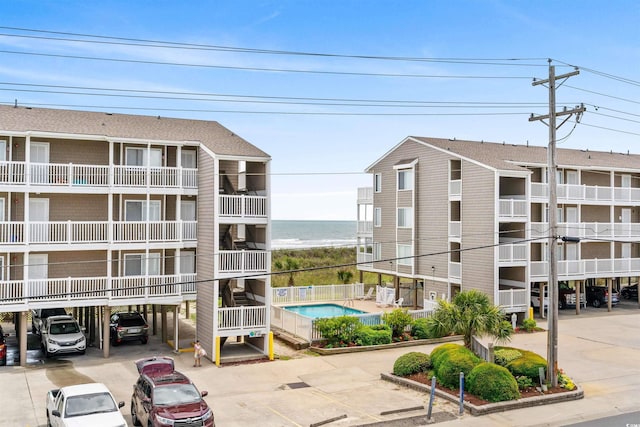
x=505 y=156
x=214 y=136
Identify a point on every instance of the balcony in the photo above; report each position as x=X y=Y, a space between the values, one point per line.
x=455 y=230
x=365 y=227
x=82 y=232
x=513 y=253
x=244 y=319
x=242 y=262
x=365 y=259
x=18 y=295
x=455 y=189
x=513 y=300
x=65 y=176
x=365 y=196
x=587 y=194
x=590 y=230
x=587 y=268
x=455 y=271
x=513 y=209
x=242 y=206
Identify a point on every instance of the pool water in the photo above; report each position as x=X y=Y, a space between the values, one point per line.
x=316 y=311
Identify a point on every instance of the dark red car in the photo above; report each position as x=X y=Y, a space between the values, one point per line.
x=164 y=397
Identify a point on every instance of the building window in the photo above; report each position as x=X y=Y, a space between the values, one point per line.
x=404 y=255
x=135 y=264
x=377 y=251
x=377 y=217
x=405 y=179
x=405 y=217
x=377 y=182
x=138 y=156
x=136 y=210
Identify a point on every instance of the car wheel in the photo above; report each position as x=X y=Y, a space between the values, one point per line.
x=144 y=340
x=596 y=303
x=3 y=362
x=48 y=420
x=134 y=416
x=114 y=342
x=561 y=304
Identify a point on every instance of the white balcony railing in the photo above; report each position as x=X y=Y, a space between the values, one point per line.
x=587 y=193
x=72 y=175
x=455 y=230
x=592 y=268
x=365 y=259
x=590 y=230
x=455 y=188
x=241 y=206
x=243 y=261
x=365 y=227
x=455 y=270
x=75 y=232
x=365 y=195
x=71 y=289
x=514 y=252
x=513 y=208
x=242 y=318
x=512 y=300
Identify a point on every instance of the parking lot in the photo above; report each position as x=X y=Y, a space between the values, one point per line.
x=599 y=350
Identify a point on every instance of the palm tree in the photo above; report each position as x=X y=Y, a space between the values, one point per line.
x=471 y=313
x=290 y=266
x=345 y=276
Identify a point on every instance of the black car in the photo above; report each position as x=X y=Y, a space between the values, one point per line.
x=629 y=292
x=3 y=347
x=599 y=295
x=128 y=326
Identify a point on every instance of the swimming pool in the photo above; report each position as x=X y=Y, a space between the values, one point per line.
x=316 y=311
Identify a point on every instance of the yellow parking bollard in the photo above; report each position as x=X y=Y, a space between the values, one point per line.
x=217 y=351
x=270 y=345
x=530 y=312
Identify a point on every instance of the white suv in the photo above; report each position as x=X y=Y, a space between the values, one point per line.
x=62 y=334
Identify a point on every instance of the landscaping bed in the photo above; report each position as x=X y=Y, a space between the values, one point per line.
x=477 y=406
x=324 y=351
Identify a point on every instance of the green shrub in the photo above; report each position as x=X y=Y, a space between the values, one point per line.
x=420 y=329
x=397 y=320
x=492 y=382
x=340 y=330
x=529 y=325
x=528 y=365
x=373 y=335
x=411 y=363
x=441 y=352
x=524 y=382
x=455 y=361
x=503 y=356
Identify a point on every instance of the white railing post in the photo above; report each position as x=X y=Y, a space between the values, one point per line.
x=68 y=292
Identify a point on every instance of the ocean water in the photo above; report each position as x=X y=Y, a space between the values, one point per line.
x=308 y=234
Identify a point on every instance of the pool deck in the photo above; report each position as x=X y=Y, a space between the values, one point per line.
x=369 y=306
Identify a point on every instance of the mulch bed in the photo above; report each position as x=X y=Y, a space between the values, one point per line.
x=474 y=400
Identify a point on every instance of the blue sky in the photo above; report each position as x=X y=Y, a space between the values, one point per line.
x=320 y=151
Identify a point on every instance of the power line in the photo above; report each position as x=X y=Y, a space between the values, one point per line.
x=180 y=45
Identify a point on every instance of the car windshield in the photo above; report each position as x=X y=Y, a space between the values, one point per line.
x=87 y=404
x=64 y=328
x=175 y=394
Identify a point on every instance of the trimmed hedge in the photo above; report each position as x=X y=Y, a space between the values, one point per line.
x=411 y=363
x=420 y=329
x=373 y=335
x=528 y=364
x=441 y=352
x=503 y=356
x=451 y=360
x=493 y=383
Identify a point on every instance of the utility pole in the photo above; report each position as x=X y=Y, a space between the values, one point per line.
x=552 y=316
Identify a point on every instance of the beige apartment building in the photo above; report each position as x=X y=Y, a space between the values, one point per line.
x=101 y=210
x=446 y=215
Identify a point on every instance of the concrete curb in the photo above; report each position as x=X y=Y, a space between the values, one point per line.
x=359 y=349
x=490 y=408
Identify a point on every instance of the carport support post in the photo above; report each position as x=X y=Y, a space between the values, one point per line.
x=176 y=324
x=23 y=338
x=163 y=321
x=154 y=319
x=106 y=331
x=578 y=292
x=609 y=288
